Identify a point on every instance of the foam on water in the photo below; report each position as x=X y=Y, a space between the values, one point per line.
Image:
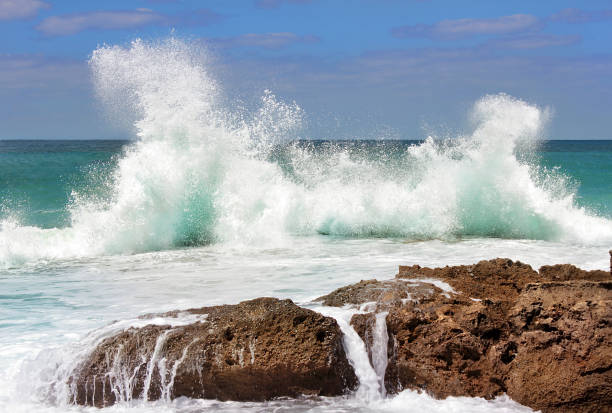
x=60 y=311
x=199 y=173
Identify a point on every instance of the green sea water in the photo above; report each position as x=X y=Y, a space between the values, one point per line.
x=38 y=178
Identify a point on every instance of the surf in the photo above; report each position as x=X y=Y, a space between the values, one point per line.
x=200 y=172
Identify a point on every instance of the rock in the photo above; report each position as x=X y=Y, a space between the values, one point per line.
x=364 y=325
x=442 y=344
x=567 y=272
x=380 y=294
x=253 y=351
x=562 y=332
x=375 y=296
x=498 y=326
x=500 y=278
x=544 y=338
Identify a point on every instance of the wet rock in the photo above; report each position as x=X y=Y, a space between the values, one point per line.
x=500 y=278
x=498 y=326
x=379 y=295
x=542 y=337
x=442 y=346
x=253 y=351
x=364 y=325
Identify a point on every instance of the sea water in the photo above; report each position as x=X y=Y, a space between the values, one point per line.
x=211 y=205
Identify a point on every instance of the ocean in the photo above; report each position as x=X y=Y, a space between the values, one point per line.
x=209 y=205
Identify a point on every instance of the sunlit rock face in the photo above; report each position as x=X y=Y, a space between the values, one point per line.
x=253 y=351
x=543 y=337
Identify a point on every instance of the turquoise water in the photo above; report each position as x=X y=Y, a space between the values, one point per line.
x=37 y=178
x=588 y=163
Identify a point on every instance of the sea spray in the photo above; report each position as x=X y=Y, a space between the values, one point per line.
x=199 y=173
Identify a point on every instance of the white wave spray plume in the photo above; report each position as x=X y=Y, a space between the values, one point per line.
x=199 y=173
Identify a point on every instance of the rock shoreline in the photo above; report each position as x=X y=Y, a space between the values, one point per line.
x=542 y=337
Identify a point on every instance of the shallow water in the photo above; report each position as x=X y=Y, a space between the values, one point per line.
x=47 y=308
x=212 y=206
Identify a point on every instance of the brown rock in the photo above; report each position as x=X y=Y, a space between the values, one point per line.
x=563 y=337
x=256 y=350
x=383 y=294
x=545 y=337
x=442 y=346
x=364 y=325
x=500 y=278
x=567 y=272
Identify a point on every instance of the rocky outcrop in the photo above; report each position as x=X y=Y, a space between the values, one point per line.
x=561 y=347
x=379 y=295
x=544 y=338
x=567 y=272
x=498 y=279
x=256 y=350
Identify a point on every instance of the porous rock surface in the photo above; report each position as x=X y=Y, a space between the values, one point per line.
x=253 y=351
x=544 y=338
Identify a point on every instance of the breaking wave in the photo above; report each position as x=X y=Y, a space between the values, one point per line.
x=201 y=173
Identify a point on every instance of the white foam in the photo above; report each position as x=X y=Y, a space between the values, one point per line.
x=369 y=389
x=379 y=349
x=200 y=173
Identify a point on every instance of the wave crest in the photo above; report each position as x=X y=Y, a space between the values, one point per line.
x=199 y=174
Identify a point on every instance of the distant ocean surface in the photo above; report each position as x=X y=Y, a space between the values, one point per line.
x=214 y=205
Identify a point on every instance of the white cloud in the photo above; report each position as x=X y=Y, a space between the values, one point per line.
x=20 y=9
x=105 y=20
x=122 y=19
x=533 y=41
x=265 y=40
x=581 y=16
x=451 y=29
x=272 y=4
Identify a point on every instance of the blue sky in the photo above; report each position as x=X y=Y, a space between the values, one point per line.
x=359 y=68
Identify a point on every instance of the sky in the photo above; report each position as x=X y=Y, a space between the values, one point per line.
x=393 y=69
